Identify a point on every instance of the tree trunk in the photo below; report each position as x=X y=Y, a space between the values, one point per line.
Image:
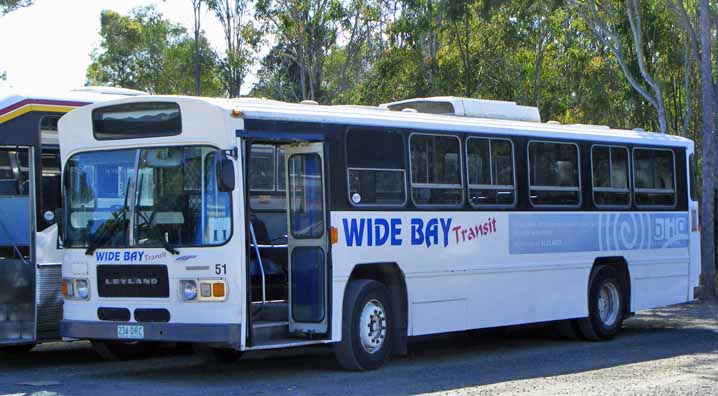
x=707 y=154
x=197 y=5
x=540 y=52
x=687 y=67
x=197 y=84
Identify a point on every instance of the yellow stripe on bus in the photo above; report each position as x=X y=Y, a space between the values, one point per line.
x=34 y=107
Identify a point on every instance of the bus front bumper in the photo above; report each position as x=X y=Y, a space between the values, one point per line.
x=220 y=334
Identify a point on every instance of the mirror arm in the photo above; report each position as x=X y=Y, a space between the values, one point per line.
x=232 y=153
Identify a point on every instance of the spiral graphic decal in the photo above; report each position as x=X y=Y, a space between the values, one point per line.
x=624 y=231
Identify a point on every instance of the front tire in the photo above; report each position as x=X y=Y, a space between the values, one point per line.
x=606 y=306
x=367 y=329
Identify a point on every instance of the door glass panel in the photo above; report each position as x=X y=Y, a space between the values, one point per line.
x=308 y=284
x=306 y=206
x=17 y=274
x=14 y=203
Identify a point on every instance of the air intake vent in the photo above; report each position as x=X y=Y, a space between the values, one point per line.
x=467 y=107
x=152 y=315
x=114 y=314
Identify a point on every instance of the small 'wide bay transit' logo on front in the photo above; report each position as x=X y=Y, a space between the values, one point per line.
x=137 y=256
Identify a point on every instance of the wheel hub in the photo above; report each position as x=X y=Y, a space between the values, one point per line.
x=372 y=326
x=609 y=304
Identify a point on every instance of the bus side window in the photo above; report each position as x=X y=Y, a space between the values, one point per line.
x=9 y=185
x=610 y=176
x=554 y=178
x=436 y=177
x=376 y=168
x=490 y=165
x=263 y=165
x=654 y=177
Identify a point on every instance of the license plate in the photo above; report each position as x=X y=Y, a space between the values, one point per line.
x=131 y=332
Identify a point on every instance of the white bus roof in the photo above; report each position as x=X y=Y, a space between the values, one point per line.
x=206 y=120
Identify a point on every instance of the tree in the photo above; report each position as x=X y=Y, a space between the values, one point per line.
x=146 y=52
x=8 y=6
x=197 y=12
x=604 y=20
x=241 y=39
x=700 y=37
x=308 y=31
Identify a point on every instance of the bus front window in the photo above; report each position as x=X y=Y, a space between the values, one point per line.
x=171 y=191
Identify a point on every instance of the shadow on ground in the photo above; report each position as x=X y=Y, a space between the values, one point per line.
x=437 y=363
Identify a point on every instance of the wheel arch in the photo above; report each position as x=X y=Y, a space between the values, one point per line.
x=391 y=275
x=620 y=264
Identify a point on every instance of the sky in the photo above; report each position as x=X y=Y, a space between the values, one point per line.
x=48 y=45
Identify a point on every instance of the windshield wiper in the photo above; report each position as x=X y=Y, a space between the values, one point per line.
x=106 y=231
x=103 y=234
x=156 y=233
x=160 y=236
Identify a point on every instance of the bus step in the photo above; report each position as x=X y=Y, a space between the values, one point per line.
x=275 y=311
x=266 y=331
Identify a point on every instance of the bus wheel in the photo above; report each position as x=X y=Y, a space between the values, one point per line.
x=216 y=355
x=366 y=326
x=606 y=306
x=116 y=351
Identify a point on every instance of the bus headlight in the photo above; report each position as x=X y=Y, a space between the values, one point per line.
x=82 y=289
x=189 y=289
x=75 y=289
x=204 y=290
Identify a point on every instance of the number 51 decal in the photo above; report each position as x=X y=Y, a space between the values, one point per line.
x=220 y=269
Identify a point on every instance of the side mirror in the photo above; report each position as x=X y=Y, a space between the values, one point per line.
x=225 y=175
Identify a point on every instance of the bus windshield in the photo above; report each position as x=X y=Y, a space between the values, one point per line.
x=152 y=197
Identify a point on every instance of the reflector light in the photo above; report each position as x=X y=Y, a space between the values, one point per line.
x=218 y=289
x=333 y=235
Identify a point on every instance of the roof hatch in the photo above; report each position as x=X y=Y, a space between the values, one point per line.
x=467 y=107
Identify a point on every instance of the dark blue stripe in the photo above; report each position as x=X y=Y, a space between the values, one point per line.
x=277 y=135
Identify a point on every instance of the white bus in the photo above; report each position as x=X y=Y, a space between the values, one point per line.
x=30 y=299
x=240 y=225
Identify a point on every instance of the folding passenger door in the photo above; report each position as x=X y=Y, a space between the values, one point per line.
x=307 y=238
x=17 y=268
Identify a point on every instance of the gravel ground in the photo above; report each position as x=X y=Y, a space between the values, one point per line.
x=669 y=351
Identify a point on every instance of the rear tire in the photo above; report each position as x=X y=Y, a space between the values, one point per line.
x=367 y=329
x=117 y=351
x=216 y=355
x=606 y=306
